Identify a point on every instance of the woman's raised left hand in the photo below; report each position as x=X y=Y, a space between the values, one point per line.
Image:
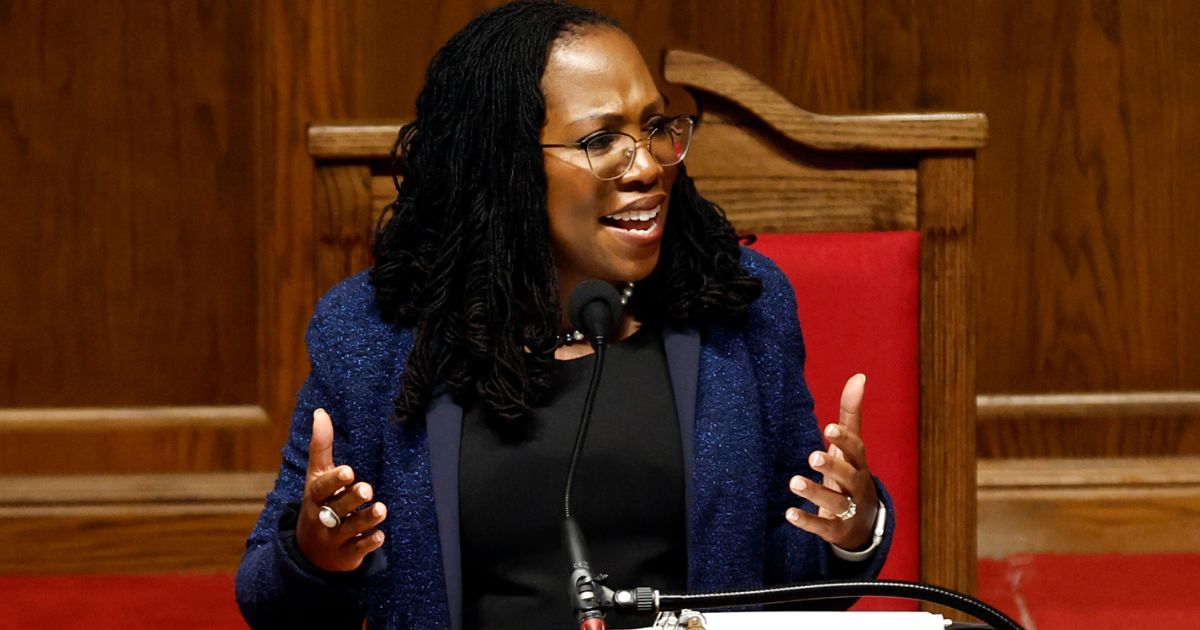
x=846 y=480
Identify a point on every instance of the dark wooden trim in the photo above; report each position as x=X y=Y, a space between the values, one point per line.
x=28 y=491
x=352 y=140
x=128 y=418
x=1108 y=505
x=1132 y=405
x=947 y=423
x=127 y=523
x=868 y=132
x=345 y=213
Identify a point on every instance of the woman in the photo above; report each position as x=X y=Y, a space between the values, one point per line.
x=422 y=481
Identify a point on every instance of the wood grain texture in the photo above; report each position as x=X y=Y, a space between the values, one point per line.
x=126 y=540
x=847 y=132
x=774 y=186
x=128 y=140
x=947 y=423
x=345 y=215
x=122 y=418
x=1089 y=405
x=20 y=492
x=122 y=129
x=1096 y=505
x=1082 y=424
x=1087 y=221
x=127 y=523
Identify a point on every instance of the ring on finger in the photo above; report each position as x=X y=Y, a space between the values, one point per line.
x=329 y=517
x=849 y=512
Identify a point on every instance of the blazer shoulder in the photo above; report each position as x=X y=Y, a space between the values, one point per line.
x=777 y=295
x=348 y=328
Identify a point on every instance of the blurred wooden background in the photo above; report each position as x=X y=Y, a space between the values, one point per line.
x=159 y=233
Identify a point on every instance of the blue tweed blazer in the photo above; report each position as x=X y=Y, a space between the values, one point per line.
x=746 y=420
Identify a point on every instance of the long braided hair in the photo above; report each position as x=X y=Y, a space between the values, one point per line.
x=462 y=256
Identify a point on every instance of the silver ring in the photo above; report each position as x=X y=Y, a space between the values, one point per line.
x=851 y=510
x=328 y=517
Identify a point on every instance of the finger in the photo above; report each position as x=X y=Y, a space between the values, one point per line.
x=850 y=413
x=320 y=446
x=351 y=499
x=360 y=546
x=363 y=520
x=325 y=484
x=811 y=523
x=846 y=445
x=839 y=474
x=829 y=501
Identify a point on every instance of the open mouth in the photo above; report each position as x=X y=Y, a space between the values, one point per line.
x=638 y=221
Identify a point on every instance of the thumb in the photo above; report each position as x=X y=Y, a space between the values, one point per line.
x=320 y=447
x=850 y=414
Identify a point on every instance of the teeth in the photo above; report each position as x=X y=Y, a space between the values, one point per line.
x=635 y=215
x=645 y=231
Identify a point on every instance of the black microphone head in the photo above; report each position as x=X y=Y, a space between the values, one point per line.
x=595 y=308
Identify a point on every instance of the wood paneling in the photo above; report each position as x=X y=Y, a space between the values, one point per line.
x=1087 y=213
x=127 y=523
x=122 y=127
x=1107 y=505
x=120 y=418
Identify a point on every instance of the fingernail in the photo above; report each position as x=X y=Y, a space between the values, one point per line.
x=364 y=492
x=344 y=474
x=377 y=509
x=378 y=535
x=817 y=459
x=798 y=484
x=833 y=431
x=791 y=515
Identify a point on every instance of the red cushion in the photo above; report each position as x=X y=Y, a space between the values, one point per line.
x=858 y=299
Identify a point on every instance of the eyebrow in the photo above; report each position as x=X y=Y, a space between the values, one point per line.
x=613 y=117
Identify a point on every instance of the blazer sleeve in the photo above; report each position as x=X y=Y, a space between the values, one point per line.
x=276 y=588
x=794 y=555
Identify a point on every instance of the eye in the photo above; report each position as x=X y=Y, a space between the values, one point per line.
x=600 y=143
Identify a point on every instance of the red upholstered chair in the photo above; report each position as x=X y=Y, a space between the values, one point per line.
x=870 y=216
x=858 y=297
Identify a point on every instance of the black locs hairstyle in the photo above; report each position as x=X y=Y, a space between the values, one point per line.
x=463 y=254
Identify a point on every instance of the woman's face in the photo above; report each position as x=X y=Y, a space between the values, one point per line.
x=611 y=230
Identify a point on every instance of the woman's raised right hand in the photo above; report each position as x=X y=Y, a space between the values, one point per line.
x=340 y=548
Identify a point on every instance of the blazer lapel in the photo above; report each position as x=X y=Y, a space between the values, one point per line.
x=682 y=347
x=443 y=425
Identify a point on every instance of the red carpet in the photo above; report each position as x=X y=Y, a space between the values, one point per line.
x=1061 y=592
x=1042 y=592
x=125 y=602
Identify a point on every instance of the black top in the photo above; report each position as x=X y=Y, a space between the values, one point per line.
x=628 y=493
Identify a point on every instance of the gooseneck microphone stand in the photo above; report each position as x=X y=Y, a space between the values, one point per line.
x=595 y=309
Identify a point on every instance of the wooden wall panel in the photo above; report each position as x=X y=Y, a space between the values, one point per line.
x=811 y=51
x=1086 y=202
x=123 y=126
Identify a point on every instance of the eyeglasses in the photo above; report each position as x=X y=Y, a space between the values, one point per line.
x=611 y=154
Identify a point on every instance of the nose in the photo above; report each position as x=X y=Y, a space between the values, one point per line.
x=645 y=167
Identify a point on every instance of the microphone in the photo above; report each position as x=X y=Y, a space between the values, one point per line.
x=595 y=309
